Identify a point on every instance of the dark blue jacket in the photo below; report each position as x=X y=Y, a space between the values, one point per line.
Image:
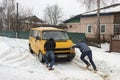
x=82 y=46
x=50 y=45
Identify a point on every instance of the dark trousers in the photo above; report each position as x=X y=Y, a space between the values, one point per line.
x=50 y=56
x=89 y=54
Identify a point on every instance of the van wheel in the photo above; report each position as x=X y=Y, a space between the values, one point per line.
x=41 y=58
x=70 y=59
x=31 y=51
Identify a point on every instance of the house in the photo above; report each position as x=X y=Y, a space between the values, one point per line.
x=30 y=22
x=87 y=23
x=33 y=21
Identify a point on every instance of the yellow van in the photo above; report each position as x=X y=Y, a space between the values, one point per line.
x=38 y=37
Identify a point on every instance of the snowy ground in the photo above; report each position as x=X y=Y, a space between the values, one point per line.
x=17 y=63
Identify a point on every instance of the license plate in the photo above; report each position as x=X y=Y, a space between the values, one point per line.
x=61 y=56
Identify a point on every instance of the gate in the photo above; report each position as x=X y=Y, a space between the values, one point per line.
x=115 y=43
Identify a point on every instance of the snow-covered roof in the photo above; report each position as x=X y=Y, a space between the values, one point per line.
x=108 y=9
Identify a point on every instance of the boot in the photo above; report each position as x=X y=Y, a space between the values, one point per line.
x=47 y=66
x=51 y=68
x=95 y=69
x=87 y=65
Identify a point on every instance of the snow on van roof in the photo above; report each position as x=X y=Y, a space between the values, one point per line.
x=46 y=28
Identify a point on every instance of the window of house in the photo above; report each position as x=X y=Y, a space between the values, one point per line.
x=89 y=28
x=102 y=28
x=116 y=29
x=70 y=26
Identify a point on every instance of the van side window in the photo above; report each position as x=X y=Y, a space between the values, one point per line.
x=38 y=33
x=34 y=33
x=31 y=33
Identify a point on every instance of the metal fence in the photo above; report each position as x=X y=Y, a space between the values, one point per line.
x=12 y=34
x=25 y=35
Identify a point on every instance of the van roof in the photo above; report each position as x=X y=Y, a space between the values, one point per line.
x=46 y=28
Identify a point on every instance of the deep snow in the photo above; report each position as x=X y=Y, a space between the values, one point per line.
x=17 y=63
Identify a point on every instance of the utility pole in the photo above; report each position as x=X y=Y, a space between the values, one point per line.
x=17 y=26
x=98 y=24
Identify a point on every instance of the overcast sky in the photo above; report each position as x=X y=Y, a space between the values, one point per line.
x=69 y=7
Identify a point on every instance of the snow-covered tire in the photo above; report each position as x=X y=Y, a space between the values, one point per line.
x=31 y=51
x=70 y=59
x=41 y=57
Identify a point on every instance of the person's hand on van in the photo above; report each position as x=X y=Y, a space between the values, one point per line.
x=72 y=48
x=45 y=49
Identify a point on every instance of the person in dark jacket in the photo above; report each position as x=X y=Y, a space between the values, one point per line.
x=86 y=51
x=50 y=47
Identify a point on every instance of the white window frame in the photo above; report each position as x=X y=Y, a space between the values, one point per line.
x=88 y=28
x=114 y=27
x=100 y=29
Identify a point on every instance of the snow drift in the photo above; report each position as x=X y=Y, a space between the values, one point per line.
x=16 y=62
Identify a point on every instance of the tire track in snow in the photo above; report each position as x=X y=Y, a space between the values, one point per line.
x=101 y=74
x=69 y=69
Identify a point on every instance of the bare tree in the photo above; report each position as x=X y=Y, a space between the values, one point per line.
x=53 y=14
x=23 y=13
x=10 y=14
x=93 y=4
x=1 y=18
x=9 y=7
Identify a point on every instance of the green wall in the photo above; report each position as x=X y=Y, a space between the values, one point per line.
x=77 y=36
